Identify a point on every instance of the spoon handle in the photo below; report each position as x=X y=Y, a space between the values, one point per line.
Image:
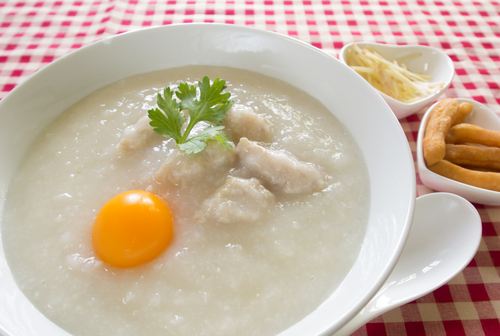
x=444 y=237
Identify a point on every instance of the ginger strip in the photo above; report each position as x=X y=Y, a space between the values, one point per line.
x=480 y=179
x=487 y=158
x=442 y=117
x=391 y=78
x=468 y=133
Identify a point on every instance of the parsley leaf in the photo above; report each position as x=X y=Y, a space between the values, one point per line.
x=211 y=106
x=196 y=143
x=169 y=126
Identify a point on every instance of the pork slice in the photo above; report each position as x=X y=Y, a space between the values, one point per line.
x=280 y=170
x=237 y=201
x=242 y=121
x=206 y=167
x=136 y=136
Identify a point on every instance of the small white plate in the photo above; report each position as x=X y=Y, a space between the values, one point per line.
x=431 y=62
x=480 y=116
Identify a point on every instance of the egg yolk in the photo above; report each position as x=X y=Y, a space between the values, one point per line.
x=132 y=228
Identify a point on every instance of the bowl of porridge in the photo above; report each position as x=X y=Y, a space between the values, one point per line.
x=288 y=230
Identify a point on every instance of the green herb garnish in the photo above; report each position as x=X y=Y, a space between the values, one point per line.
x=212 y=106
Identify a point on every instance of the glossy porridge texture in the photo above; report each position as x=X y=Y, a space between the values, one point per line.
x=248 y=277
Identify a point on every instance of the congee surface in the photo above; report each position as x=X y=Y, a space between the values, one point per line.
x=246 y=275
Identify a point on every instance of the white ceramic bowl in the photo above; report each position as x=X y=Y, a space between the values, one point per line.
x=34 y=104
x=480 y=116
x=432 y=62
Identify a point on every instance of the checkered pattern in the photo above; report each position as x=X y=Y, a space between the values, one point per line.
x=35 y=33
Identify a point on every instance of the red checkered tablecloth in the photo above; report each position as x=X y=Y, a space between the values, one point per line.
x=35 y=33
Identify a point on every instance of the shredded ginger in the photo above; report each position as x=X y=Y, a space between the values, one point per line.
x=390 y=78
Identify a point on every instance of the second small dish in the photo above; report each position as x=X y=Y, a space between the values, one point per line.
x=481 y=116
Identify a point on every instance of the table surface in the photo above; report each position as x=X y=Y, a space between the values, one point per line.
x=35 y=33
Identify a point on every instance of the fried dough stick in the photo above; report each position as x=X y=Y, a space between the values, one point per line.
x=481 y=179
x=468 y=133
x=440 y=121
x=487 y=158
x=463 y=111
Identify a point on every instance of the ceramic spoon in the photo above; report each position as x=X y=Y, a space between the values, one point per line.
x=444 y=237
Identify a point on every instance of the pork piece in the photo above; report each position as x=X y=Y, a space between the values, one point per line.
x=237 y=201
x=242 y=121
x=135 y=136
x=207 y=167
x=281 y=170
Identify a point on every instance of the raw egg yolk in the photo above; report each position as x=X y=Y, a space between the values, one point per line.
x=132 y=228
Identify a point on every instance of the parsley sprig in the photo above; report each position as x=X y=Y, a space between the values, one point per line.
x=212 y=106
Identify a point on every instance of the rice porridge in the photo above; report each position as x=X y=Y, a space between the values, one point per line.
x=253 y=265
